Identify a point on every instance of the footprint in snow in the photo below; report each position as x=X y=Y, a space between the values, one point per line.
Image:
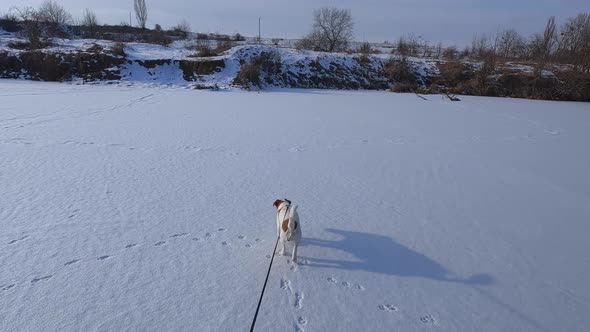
x=298 y=300
x=301 y=320
x=428 y=319
x=7 y=287
x=18 y=240
x=286 y=285
x=387 y=307
x=71 y=262
x=331 y=280
x=131 y=245
x=36 y=280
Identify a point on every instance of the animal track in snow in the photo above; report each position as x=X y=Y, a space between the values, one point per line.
x=159 y=243
x=257 y=240
x=102 y=258
x=286 y=285
x=178 y=235
x=18 y=240
x=301 y=320
x=224 y=243
x=7 y=287
x=428 y=319
x=221 y=230
x=346 y=284
x=36 y=280
x=358 y=286
x=73 y=214
x=248 y=245
x=208 y=235
x=387 y=307
x=298 y=300
x=241 y=237
x=131 y=245
x=196 y=239
x=71 y=262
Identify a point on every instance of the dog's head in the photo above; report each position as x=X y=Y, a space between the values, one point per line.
x=278 y=202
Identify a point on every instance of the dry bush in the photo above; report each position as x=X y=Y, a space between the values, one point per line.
x=182 y=29
x=365 y=48
x=118 y=49
x=404 y=87
x=451 y=53
x=402 y=75
x=204 y=48
x=452 y=73
x=259 y=69
x=400 y=71
x=158 y=37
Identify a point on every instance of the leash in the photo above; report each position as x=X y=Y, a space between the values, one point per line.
x=264 y=287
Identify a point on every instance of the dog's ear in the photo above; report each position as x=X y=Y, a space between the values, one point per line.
x=277 y=203
x=288 y=201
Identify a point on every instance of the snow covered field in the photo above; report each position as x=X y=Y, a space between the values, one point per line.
x=150 y=209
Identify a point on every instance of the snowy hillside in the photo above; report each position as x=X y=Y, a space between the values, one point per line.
x=150 y=209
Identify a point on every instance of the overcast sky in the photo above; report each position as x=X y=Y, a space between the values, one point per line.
x=448 y=21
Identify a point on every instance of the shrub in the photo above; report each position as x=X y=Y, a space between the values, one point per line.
x=266 y=66
x=204 y=48
x=239 y=37
x=182 y=29
x=365 y=48
x=404 y=87
x=454 y=72
x=118 y=49
x=158 y=37
x=400 y=71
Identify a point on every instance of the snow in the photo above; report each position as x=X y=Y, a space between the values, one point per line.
x=136 y=208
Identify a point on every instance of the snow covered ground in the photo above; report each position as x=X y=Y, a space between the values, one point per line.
x=150 y=209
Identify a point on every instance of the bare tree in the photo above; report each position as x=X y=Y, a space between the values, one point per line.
x=32 y=25
x=508 y=43
x=183 y=28
x=574 y=45
x=140 y=12
x=547 y=43
x=52 y=12
x=332 y=30
x=89 y=20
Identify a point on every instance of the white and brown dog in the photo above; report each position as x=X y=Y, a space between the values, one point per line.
x=288 y=226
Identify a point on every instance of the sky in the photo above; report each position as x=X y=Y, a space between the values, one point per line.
x=447 y=21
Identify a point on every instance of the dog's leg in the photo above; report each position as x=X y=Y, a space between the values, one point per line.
x=281 y=247
x=294 y=256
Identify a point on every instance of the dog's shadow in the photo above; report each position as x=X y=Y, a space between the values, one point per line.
x=382 y=254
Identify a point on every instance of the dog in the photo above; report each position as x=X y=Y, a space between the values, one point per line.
x=288 y=226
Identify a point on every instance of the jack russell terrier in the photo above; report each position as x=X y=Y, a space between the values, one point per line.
x=288 y=226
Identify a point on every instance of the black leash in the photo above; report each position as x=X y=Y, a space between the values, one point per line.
x=264 y=287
